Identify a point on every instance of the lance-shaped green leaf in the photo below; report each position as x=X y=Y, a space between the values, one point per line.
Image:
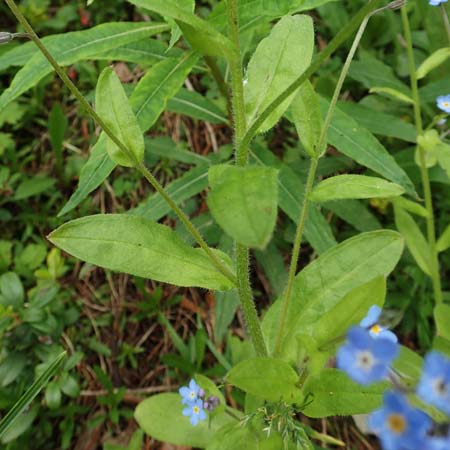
x=243 y=201
x=307 y=117
x=443 y=242
x=321 y=285
x=72 y=47
x=358 y=143
x=333 y=393
x=160 y=83
x=442 y=318
x=278 y=60
x=113 y=107
x=159 y=414
x=350 y=310
x=393 y=93
x=434 y=60
x=354 y=186
x=268 y=378
x=415 y=240
x=199 y=33
x=140 y=247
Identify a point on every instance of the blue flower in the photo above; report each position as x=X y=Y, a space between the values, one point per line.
x=436 y=2
x=375 y=329
x=437 y=443
x=434 y=385
x=195 y=412
x=365 y=359
x=189 y=394
x=443 y=102
x=398 y=425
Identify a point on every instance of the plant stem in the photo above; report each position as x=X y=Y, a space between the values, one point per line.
x=321 y=148
x=239 y=125
x=434 y=259
x=446 y=21
x=138 y=164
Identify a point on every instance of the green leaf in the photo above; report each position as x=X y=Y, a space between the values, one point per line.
x=268 y=378
x=243 y=201
x=358 y=143
x=113 y=107
x=371 y=72
x=11 y=289
x=278 y=60
x=160 y=416
x=321 y=285
x=410 y=206
x=434 y=60
x=317 y=230
x=53 y=395
x=33 y=186
x=443 y=156
x=195 y=105
x=160 y=83
x=415 y=240
x=354 y=187
x=350 y=310
x=140 y=247
x=69 y=48
x=145 y=53
x=409 y=366
x=15 y=412
x=11 y=367
x=443 y=242
x=378 y=122
x=157 y=86
x=334 y=393
x=189 y=184
x=307 y=117
x=442 y=318
x=199 y=33
x=390 y=92
x=94 y=172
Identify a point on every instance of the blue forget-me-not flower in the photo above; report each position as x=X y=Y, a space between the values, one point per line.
x=370 y=322
x=434 y=385
x=437 y=2
x=189 y=394
x=398 y=425
x=443 y=102
x=364 y=358
x=195 y=412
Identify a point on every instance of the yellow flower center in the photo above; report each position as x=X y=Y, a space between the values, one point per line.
x=196 y=409
x=445 y=104
x=397 y=423
x=375 y=329
x=192 y=394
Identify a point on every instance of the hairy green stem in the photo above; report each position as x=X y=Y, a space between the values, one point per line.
x=321 y=148
x=431 y=233
x=335 y=43
x=446 y=21
x=138 y=164
x=239 y=125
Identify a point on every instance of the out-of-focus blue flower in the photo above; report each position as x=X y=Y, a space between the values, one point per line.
x=436 y=2
x=195 y=412
x=437 y=443
x=443 y=102
x=375 y=329
x=365 y=359
x=189 y=394
x=434 y=385
x=398 y=425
